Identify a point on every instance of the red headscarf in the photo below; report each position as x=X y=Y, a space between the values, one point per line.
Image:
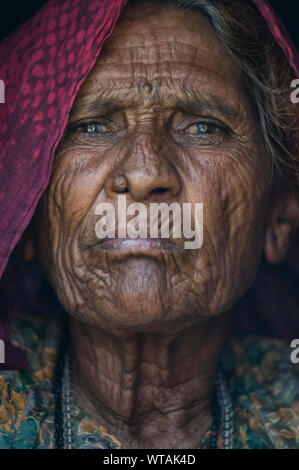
x=43 y=65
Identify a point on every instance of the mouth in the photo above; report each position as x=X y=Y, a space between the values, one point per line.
x=139 y=246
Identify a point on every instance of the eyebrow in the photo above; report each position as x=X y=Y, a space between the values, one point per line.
x=208 y=102
x=191 y=101
x=98 y=105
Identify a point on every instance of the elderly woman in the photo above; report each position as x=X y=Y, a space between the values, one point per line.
x=188 y=102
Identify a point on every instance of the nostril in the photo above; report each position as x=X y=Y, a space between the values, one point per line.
x=159 y=190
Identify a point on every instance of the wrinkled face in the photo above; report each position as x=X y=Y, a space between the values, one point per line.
x=164 y=116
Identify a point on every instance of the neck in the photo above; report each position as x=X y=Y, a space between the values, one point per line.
x=150 y=390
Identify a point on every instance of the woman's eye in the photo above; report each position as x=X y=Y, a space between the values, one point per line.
x=92 y=128
x=203 y=128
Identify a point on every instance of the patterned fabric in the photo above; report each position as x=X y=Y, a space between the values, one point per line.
x=263 y=382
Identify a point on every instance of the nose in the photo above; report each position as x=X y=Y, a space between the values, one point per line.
x=146 y=172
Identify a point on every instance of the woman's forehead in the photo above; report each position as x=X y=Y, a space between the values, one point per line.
x=171 y=54
x=172 y=37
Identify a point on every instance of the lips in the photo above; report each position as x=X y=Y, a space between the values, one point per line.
x=136 y=246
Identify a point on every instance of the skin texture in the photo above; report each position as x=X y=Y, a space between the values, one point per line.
x=171 y=119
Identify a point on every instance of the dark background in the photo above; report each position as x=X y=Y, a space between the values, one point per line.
x=13 y=13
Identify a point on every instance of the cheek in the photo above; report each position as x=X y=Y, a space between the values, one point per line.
x=71 y=192
x=74 y=187
x=235 y=195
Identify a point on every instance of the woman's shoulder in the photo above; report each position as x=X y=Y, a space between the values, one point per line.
x=25 y=393
x=264 y=384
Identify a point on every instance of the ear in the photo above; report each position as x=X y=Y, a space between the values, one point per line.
x=281 y=229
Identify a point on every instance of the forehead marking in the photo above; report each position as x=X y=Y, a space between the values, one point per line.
x=148 y=89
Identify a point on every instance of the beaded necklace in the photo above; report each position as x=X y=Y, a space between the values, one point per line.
x=222 y=411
